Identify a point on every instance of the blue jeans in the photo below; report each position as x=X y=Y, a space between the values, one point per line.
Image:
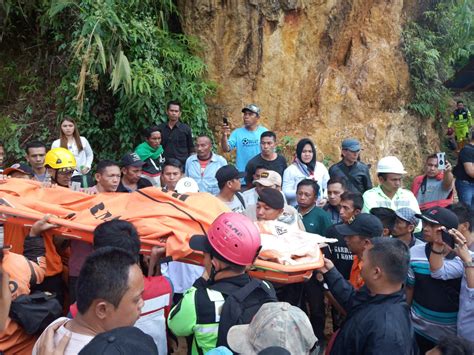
x=465 y=190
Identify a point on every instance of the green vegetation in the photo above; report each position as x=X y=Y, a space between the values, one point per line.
x=437 y=43
x=119 y=63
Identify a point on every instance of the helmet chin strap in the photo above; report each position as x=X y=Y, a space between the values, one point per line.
x=214 y=272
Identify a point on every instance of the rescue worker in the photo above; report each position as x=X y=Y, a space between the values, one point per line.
x=461 y=121
x=232 y=244
x=60 y=165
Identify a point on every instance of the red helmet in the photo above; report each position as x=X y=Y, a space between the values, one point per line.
x=233 y=236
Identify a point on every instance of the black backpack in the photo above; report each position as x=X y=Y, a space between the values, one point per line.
x=241 y=304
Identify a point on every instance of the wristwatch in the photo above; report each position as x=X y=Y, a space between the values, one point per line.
x=468 y=264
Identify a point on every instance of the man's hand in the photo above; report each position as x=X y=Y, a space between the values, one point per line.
x=42 y=225
x=461 y=248
x=225 y=130
x=448 y=167
x=328 y=265
x=438 y=244
x=155 y=255
x=45 y=344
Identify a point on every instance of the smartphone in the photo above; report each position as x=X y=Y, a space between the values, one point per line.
x=225 y=121
x=448 y=239
x=441 y=160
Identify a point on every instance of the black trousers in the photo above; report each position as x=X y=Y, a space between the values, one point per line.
x=53 y=284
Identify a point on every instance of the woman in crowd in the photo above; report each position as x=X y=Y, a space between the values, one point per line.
x=79 y=146
x=305 y=166
x=151 y=152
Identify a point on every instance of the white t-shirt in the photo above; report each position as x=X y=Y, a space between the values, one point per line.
x=182 y=275
x=77 y=342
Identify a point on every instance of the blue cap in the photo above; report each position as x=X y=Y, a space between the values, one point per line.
x=351 y=144
x=408 y=215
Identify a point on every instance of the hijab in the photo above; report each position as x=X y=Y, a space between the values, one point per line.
x=299 y=150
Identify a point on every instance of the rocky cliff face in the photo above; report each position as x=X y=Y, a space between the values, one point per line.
x=327 y=69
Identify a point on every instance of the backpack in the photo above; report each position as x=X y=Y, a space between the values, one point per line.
x=36 y=311
x=241 y=304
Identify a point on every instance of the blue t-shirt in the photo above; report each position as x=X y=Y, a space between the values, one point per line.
x=246 y=143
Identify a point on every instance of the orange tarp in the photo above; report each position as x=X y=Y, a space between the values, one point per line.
x=161 y=218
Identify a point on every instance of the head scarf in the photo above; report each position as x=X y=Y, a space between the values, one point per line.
x=299 y=150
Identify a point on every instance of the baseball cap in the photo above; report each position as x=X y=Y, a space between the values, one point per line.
x=252 y=108
x=275 y=324
x=121 y=341
x=269 y=178
x=271 y=197
x=441 y=216
x=351 y=144
x=227 y=173
x=364 y=224
x=19 y=167
x=408 y=215
x=132 y=159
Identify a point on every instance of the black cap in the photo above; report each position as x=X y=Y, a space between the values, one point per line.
x=364 y=224
x=227 y=173
x=19 y=167
x=441 y=216
x=132 y=159
x=121 y=341
x=200 y=243
x=272 y=197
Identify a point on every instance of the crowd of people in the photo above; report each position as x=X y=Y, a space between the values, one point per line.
x=398 y=280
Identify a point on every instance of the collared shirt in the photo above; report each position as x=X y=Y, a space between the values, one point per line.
x=403 y=198
x=206 y=179
x=355 y=279
x=177 y=141
x=453 y=269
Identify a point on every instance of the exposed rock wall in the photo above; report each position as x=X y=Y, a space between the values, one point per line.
x=327 y=69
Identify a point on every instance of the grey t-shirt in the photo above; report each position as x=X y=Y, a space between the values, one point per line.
x=235 y=205
x=434 y=191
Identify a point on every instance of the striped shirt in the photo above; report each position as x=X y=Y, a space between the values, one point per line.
x=434 y=309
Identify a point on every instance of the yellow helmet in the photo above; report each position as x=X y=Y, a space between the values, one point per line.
x=60 y=158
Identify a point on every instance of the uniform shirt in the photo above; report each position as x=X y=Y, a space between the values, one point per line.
x=434 y=309
x=278 y=164
x=403 y=198
x=355 y=279
x=206 y=179
x=333 y=212
x=246 y=143
x=177 y=141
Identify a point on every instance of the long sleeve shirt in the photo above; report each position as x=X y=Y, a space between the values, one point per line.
x=206 y=179
x=83 y=157
x=453 y=269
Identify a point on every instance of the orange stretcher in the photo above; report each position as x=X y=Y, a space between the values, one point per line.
x=164 y=219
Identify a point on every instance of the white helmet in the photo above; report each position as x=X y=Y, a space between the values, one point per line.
x=186 y=184
x=390 y=164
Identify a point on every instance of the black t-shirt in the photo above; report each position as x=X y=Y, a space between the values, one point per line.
x=140 y=185
x=278 y=165
x=466 y=155
x=340 y=254
x=177 y=142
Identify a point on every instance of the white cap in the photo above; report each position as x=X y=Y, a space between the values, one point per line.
x=186 y=184
x=391 y=165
